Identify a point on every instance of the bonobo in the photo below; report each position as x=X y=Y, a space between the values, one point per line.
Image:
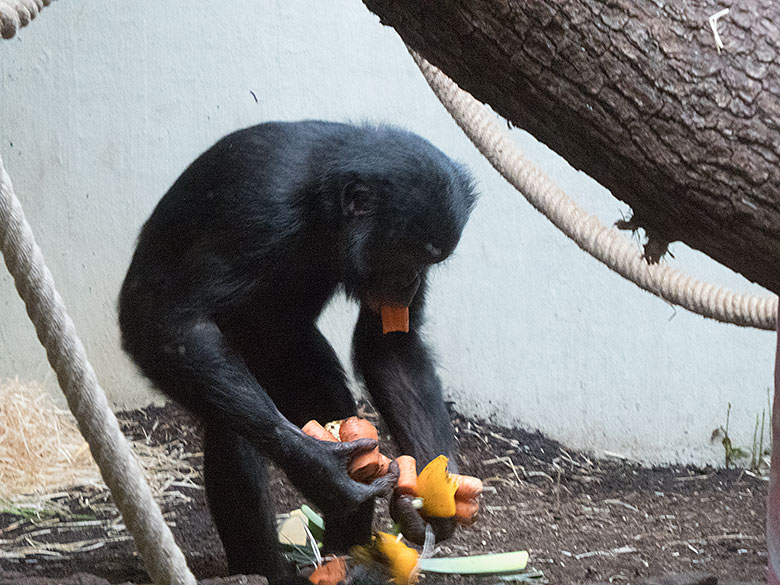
x=219 y=311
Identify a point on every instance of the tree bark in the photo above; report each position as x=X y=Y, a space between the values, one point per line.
x=635 y=94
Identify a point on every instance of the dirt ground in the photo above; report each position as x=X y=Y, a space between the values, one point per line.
x=583 y=521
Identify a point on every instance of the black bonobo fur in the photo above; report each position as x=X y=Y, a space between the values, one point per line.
x=220 y=303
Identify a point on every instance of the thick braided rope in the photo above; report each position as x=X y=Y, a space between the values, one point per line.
x=14 y=14
x=773 y=502
x=163 y=560
x=605 y=244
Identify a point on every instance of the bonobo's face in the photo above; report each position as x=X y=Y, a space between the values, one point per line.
x=399 y=228
x=397 y=261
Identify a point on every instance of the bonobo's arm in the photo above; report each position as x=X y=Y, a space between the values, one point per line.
x=399 y=373
x=199 y=368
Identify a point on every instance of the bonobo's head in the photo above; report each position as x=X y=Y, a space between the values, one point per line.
x=404 y=204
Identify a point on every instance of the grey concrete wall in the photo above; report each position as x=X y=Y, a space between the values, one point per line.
x=103 y=104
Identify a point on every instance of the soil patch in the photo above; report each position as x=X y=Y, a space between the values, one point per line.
x=582 y=520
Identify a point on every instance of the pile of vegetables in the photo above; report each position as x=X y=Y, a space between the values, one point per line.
x=433 y=494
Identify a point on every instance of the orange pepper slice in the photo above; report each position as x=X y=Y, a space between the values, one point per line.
x=437 y=489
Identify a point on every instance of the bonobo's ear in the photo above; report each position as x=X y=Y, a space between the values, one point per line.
x=356 y=199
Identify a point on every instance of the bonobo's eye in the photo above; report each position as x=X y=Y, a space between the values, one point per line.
x=356 y=200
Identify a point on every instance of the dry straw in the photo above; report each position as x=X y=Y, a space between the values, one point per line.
x=42 y=451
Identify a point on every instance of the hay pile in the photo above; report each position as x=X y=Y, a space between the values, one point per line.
x=41 y=449
x=42 y=452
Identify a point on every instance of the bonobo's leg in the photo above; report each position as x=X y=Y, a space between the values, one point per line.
x=399 y=373
x=237 y=490
x=306 y=380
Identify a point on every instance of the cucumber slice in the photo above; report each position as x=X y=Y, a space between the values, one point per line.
x=492 y=564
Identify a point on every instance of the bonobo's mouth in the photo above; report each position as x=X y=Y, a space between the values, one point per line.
x=397 y=291
x=404 y=295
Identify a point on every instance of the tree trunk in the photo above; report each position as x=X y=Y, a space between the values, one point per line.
x=635 y=94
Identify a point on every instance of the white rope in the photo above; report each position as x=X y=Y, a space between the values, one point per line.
x=14 y=14
x=605 y=244
x=163 y=560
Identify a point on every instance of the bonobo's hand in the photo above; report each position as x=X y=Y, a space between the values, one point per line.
x=319 y=470
x=412 y=523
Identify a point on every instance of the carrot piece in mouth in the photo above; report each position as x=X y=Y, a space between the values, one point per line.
x=395 y=319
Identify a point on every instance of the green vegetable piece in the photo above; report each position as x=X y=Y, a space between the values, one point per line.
x=316 y=523
x=492 y=564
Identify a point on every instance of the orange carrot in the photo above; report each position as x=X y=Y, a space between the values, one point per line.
x=384 y=465
x=331 y=573
x=364 y=466
x=407 y=477
x=466 y=511
x=354 y=428
x=316 y=430
x=395 y=319
x=469 y=487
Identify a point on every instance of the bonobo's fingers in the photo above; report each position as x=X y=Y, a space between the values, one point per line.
x=356 y=447
x=365 y=463
x=403 y=513
x=321 y=475
x=383 y=485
